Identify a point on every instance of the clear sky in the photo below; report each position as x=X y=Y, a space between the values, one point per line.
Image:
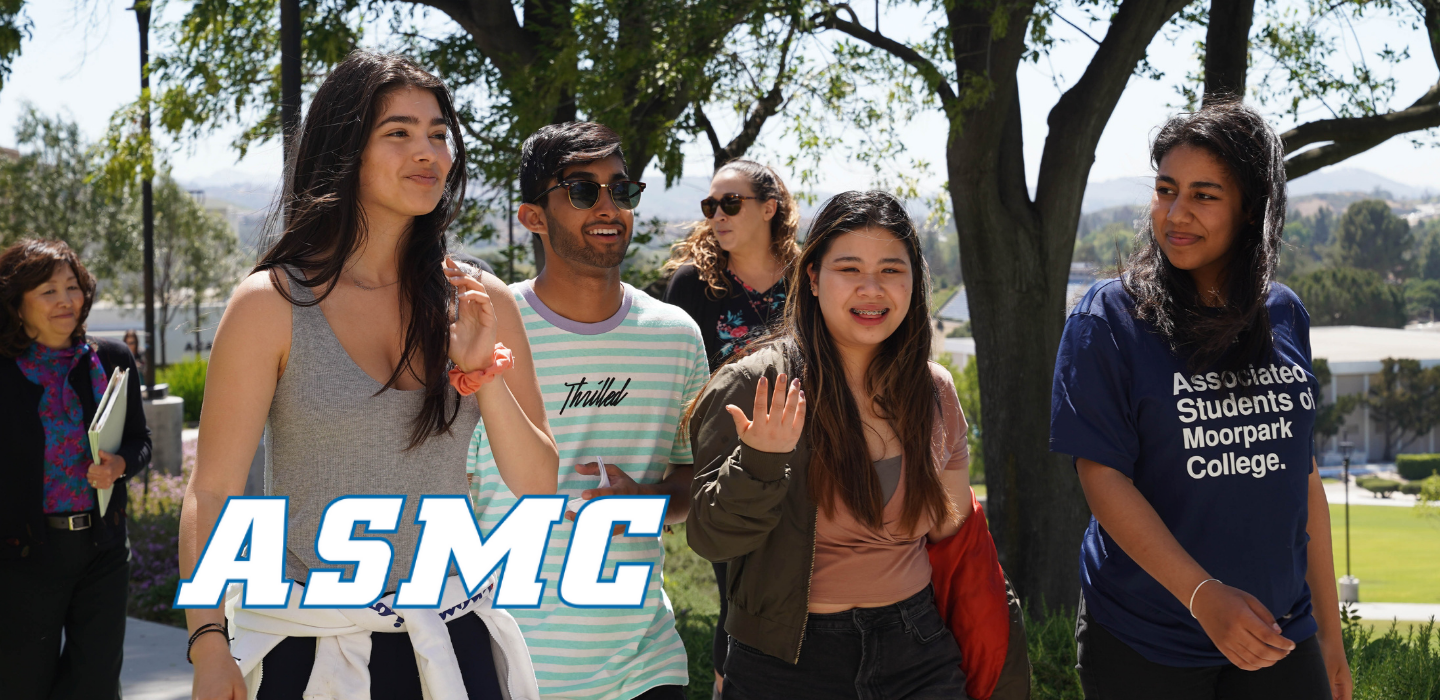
x=87 y=64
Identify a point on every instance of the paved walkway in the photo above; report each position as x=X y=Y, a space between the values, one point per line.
x=1335 y=493
x=1384 y=612
x=154 y=667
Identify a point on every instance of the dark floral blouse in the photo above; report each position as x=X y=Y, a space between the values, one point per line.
x=729 y=323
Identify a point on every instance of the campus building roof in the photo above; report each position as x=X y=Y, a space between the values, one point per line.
x=1359 y=349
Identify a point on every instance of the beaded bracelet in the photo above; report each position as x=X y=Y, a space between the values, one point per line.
x=467 y=383
x=203 y=629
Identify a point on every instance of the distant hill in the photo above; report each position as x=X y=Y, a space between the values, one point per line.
x=1354 y=180
x=1132 y=191
x=682 y=202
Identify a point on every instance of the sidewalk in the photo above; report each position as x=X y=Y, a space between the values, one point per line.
x=1409 y=612
x=154 y=667
x=1335 y=494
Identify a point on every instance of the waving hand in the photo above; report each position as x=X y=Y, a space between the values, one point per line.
x=778 y=421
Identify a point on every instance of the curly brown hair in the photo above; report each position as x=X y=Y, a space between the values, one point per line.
x=24 y=266
x=701 y=249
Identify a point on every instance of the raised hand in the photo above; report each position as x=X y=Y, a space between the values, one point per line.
x=475 y=327
x=1240 y=626
x=778 y=421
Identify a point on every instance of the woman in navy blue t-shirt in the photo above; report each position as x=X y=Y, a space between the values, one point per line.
x=1184 y=392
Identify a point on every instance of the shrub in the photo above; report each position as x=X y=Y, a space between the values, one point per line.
x=1410 y=489
x=1380 y=487
x=1427 y=501
x=154 y=530
x=1417 y=467
x=1393 y=665
x=186 y=380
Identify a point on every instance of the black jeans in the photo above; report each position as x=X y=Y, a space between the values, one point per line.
x=79 y=588
x=394 y=674
x=899 y=652
x=1111 y=670
x=663 y=692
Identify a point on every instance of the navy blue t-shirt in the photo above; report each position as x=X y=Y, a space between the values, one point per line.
x=1224 y=460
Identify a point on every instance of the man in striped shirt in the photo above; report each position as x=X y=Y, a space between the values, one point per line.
x=617 y=369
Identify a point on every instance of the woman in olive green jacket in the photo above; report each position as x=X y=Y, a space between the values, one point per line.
x=821 y=497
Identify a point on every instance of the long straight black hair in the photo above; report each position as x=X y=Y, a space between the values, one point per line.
x=324 y=224
x=1237 y=334
x=898 y=377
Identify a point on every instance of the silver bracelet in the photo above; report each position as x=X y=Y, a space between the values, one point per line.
x=1197 y=590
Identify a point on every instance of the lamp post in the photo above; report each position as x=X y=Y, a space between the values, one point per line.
x=147 y=206
x=1349 y=585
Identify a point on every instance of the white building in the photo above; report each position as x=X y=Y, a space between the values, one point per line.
x=1354 y=354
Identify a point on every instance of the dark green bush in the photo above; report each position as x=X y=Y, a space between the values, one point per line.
x=1417 y=467
x=186 y=380
x=1393 y=666
x=1412 y=488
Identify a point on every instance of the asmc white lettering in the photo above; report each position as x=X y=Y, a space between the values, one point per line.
x=1230 y=464
x=248 y=546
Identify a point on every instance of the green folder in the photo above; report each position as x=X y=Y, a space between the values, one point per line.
x=109 y=425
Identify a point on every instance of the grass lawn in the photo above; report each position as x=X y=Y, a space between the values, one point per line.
x=1394 y=553
x=690 y=583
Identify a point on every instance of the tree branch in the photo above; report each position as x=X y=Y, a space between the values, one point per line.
x=932 y=76
x=1077 y=28
x=1355 y=135
x=764 y=108
x=1380 y=126
x=1080 y=115
x=1227 y=48
x=495 y=29
x=704 y=122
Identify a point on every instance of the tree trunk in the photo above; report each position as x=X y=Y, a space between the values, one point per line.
x=1015 y=258
x=1036 y=510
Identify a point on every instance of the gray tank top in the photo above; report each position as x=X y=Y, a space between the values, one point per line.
x=331 y=435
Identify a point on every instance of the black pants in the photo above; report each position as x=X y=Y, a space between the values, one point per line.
x=393 y=672
x=76 y=587
x=722 y=640
x=663 y=692
x=899 y=652
x=1111 y=670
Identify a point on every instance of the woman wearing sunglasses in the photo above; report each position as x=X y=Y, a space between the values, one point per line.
x=729 y=275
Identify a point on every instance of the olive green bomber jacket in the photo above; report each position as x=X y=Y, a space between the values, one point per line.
x=752 y=509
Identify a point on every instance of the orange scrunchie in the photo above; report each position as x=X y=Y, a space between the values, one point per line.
x=468 y=383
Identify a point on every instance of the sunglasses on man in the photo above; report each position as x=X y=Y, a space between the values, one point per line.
x=584 y=194
x=730 y=204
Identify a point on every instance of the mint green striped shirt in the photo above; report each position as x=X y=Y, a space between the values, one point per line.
x=614 y=389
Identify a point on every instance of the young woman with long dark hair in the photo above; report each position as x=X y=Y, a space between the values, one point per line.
x=339 y=343
x=730 y=276
x=825 y=460
x=1184 y=391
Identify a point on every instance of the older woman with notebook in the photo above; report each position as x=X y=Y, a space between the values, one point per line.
x=63 y=551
